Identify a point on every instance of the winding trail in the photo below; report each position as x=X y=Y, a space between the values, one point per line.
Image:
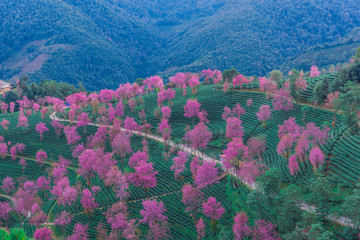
x=6 y=196
x=303 y=206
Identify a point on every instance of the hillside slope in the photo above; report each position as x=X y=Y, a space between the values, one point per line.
x=257 y=36
x=98 y=53
x=104 y=43
x=324 y=55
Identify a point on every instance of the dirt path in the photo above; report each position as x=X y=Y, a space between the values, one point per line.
x=6 y=196
x=342 y=220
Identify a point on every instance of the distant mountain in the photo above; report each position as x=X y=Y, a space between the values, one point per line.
x=325 y=55
x=102 y=43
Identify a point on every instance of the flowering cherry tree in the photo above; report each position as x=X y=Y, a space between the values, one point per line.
x=213 y=210
x=293 y=165
x=206 y=175
x=121 y=145
x=234 y=128
x=8 y=185
x=179 y=163
x=249 y=103
x=41 y=157
x=283 y=99
x=199 y=136
x=314 y=71
x=4 y=123
x=72 y=136
x=58 y=127
x=192 y=108
x=88 y=200
x=166 y=112
x=153 y=215
x=241 y=226
x=316 y=157
x=265 y=230
x=41 y=128
x=43 y=234
x=144 y=176
x=165 y=130
x=264 y=114
x=192 y=198
x=235 y=153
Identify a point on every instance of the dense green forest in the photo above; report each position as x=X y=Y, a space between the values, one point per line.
x=103 y=43
x=326 y=55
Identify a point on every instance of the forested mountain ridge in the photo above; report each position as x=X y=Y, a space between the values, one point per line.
x=325 y=55
x=104 y=43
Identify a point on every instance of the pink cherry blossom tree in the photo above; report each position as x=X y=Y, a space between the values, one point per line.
x=3 y=150
x=265 y=230
x=130 y=124
x=58 y=127
x=119 y=181
x=289 y=127
x=316 y=157
x=83 y=120
x=226 y=86
x=179 y=80
x=202 y=115
x=12 y=107
x=283 y=100
x=5 y=210
x=227 y=113
x=194 y=165
x=234 y=128
x=88 y=201
x=121 y=145
x=249 y=103
x=194 y=83
x=256 y=147
x=206 y=175
x=119 y=109
x=331 y=97
x=199 y=136
x=8 y=185
x=138 y=158
x=64 y=193
x=264 y=114
x=208 y=74
x=300 y=85
x=166 y=112
x=192 y=198
x=192 y=109
x=293 y=165
x=179 y=163
x=72 y=136
x=144 y=176
x=200 y=229
x=165 y=130
x=41 y=128
x=241 y=226
x=41 y=157
x=43 y=234
x=285 y=145
x=314 y=71
x=213 y=210
x=238 y=111
x=4 y=107
x=43 y=111
x=62 y=220
x=153 y=215
x=235 y=154
x=79 y=232
x=23 y=122
x=4 y=123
